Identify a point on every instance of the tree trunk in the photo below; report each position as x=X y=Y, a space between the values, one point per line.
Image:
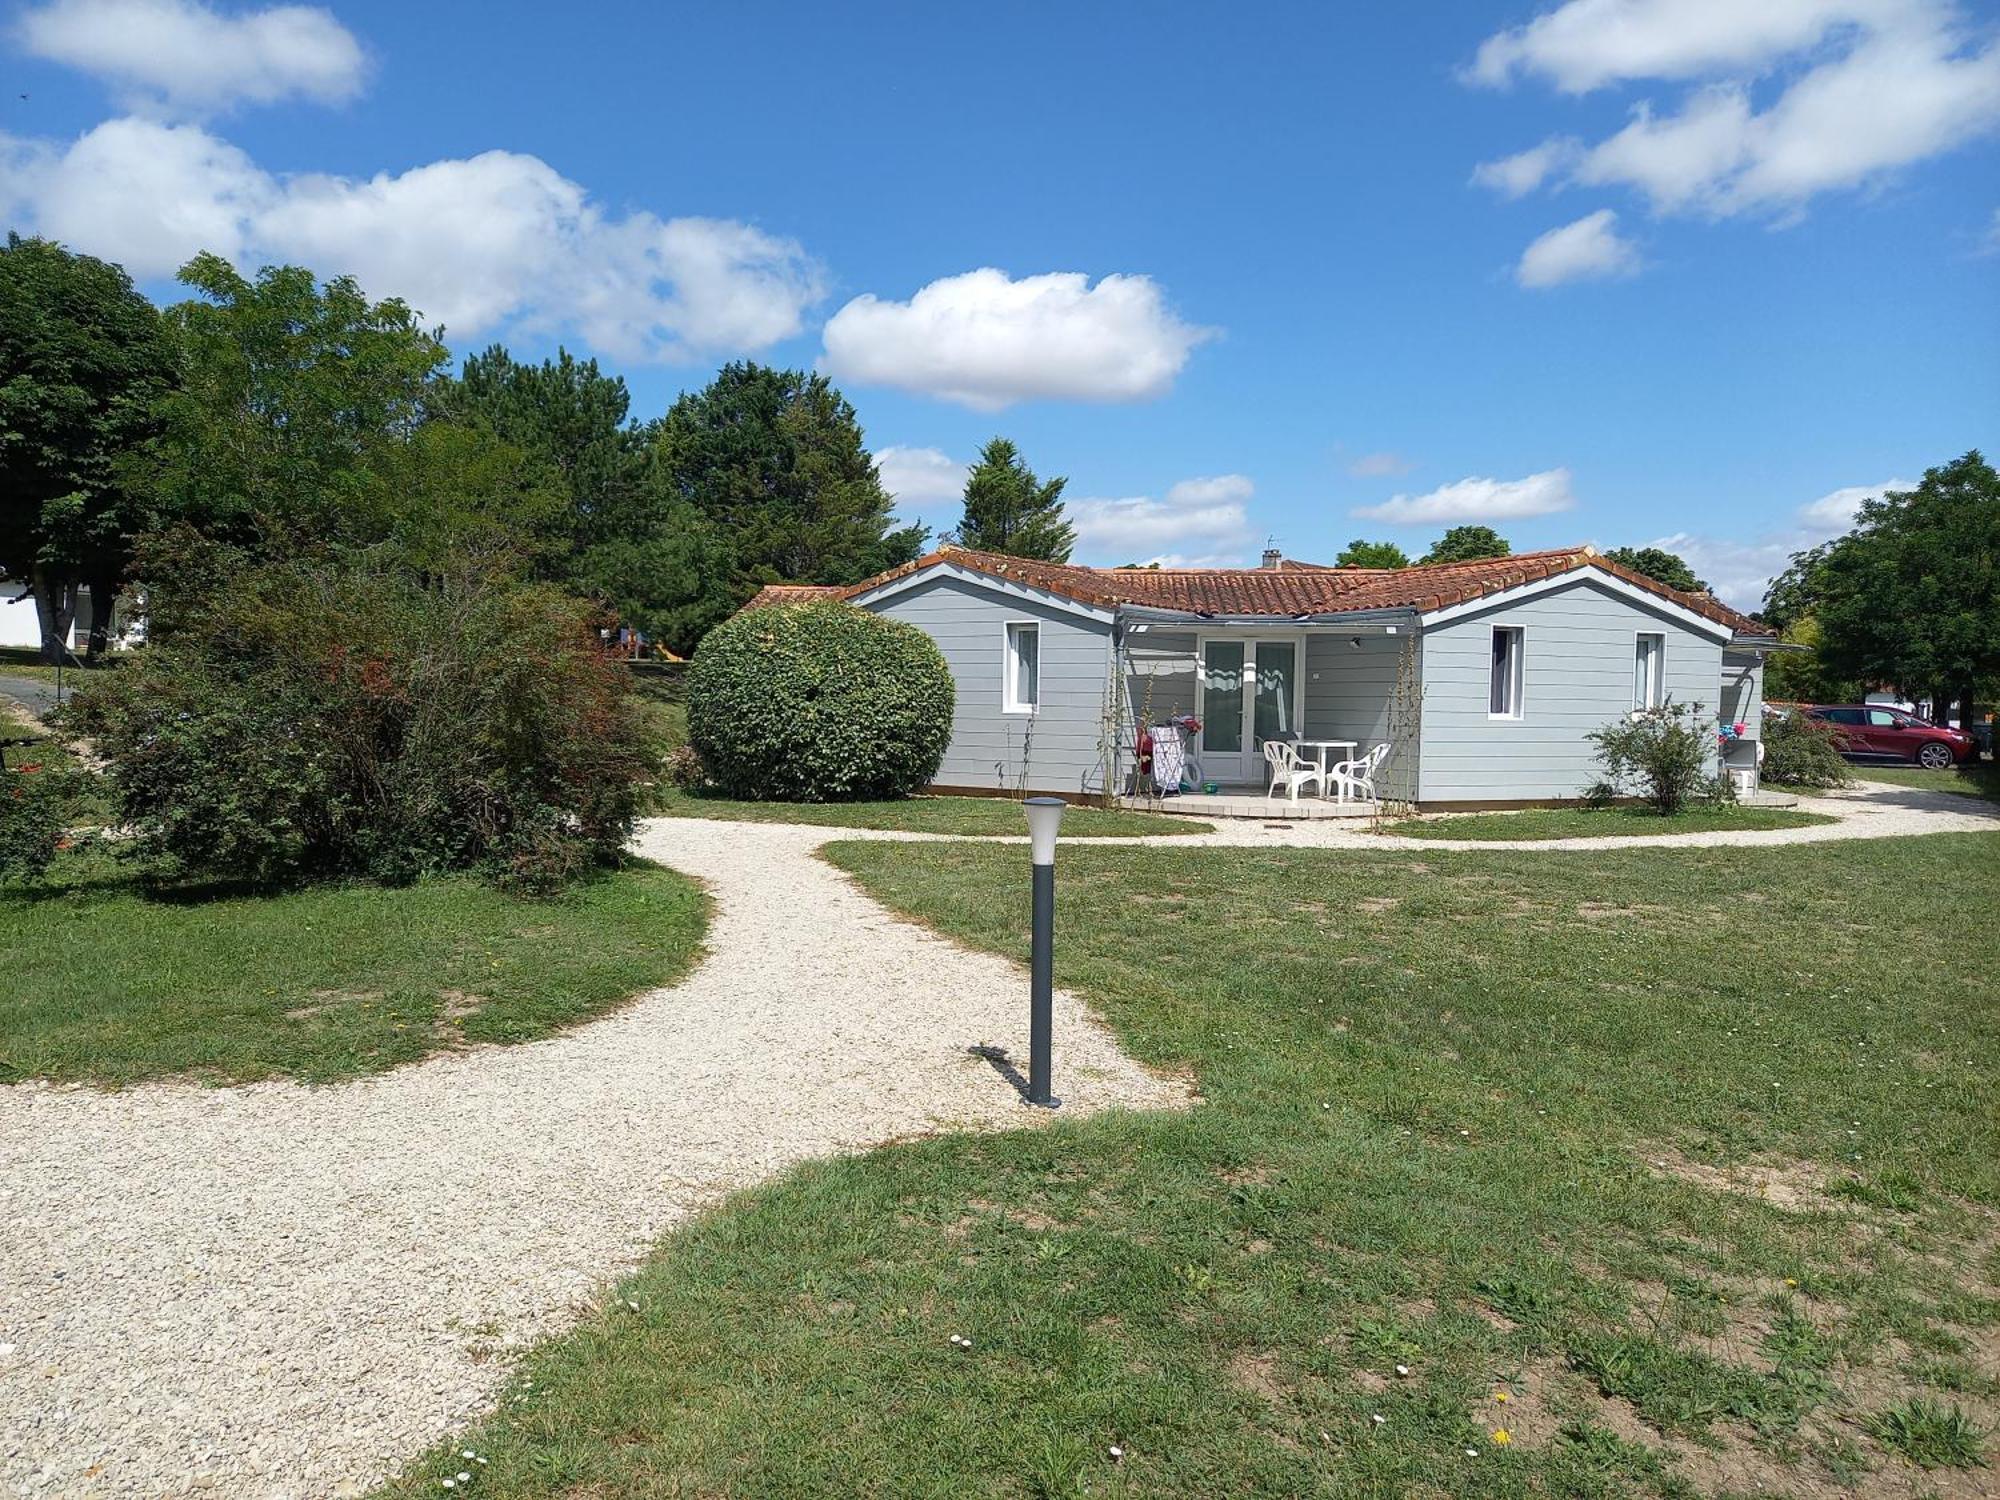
x=55 y=610
x=103 y=608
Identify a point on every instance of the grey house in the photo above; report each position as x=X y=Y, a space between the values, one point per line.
x=1483 y=677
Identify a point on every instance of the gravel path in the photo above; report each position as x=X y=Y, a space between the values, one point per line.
x=1869 y=810
x=276 y=1291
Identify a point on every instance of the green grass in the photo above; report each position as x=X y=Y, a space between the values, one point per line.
x=101 y=982
x=1977 y=779
x=1930 y=1434
x=1457 y=1112
x=963 y=816
x=1600 y=823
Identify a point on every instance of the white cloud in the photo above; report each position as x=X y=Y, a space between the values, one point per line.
x=1834 y=513
x=1588 y=249
x=1740 y=572
x=1199 y=523
x=1990 y=245
x=921 y=478
x=986 y=341
x=185 y=58
x=1871 y=86
x=1380 y=465
x=1540 y=494
x=497 y=239
x=1586 y=44
x=1520 y=174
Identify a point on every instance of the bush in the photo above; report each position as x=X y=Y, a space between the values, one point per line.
x=38 y=804
x=818 y=703
x=1665 y=756
x=319 y=719
x=1804 y=752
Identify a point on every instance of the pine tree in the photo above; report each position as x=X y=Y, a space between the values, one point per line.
x=1008 y=509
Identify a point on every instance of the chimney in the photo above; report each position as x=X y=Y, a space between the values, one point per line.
x=1273 y=558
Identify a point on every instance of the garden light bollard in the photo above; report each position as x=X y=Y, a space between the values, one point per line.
x=1044 y=818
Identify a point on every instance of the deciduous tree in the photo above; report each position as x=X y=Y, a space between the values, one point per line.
x=1360 y=554
x=83 y=362
x=1659 y=565
x=1467 y=544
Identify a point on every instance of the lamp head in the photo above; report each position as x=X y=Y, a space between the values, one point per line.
x=1044 y=818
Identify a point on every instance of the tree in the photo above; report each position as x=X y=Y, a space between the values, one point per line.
x=1659 y=565
x=309 y=419
x=1912 y=595
x=1360 y=554
x=83 y=361
x=1008 y=509
x=293 y=397
x=774 y=459
x=1466 y=544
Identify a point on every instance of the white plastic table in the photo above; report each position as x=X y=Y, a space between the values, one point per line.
x=1325 y=756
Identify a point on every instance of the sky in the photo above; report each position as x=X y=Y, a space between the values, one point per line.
x=1698 y=273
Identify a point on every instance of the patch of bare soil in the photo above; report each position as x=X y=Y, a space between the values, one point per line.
x=318 y=1002
x=1258 y=1374
x=1378 y=903
x=1793 y=1185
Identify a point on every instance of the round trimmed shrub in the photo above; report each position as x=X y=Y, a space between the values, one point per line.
x=818 y=703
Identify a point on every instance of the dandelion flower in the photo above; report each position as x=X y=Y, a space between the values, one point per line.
x=1503 y=1396
x=1502 y=1437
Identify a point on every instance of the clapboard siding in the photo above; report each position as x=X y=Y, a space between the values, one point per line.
x=1059 y=748
x=1579 y=644
x=1160 y=670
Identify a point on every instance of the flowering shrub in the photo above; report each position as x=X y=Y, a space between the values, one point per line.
x=818 y=703
x=38 y=804
x=312 y=720
x=1665 y=756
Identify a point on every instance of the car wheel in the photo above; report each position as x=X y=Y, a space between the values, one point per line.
x=1933 y=756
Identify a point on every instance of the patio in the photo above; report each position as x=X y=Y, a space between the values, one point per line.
x=1239 y=800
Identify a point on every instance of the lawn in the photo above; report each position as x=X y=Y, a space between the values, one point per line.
x=1458 y=1171
x=963 y=816
x=1979 y=779
x=101 y=982
x=1600 y=823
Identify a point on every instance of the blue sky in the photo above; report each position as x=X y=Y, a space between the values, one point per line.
x=1610 y=270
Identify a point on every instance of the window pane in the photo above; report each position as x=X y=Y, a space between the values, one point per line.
x=1272 y=713
x=1881 y=718
x=1500 y=694
x=1222 y=696
x=1646 y=671
x=1027 y=640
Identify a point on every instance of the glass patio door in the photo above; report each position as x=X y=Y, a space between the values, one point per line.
x=1249 y=695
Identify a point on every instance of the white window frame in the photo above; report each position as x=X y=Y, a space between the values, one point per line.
x=1655 y=695
x=1009 y=665
x=1515 y=674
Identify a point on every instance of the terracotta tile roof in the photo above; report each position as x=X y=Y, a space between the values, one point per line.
x=1293 y=588
x=791 y=593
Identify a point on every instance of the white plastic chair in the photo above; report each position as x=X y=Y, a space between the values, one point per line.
x=1289 y=770
x=1354 y=780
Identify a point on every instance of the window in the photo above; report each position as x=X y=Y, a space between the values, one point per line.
x=1024 y=668
x=1881 y=718
x=1842 y=716
x=1648 y=670
x=1503 y=693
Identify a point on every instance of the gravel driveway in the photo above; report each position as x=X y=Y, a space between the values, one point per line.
x=280 y=1291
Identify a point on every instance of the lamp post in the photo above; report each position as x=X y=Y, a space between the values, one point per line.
x=1044 y=818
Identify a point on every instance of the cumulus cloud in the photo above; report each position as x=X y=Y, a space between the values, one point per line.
x=1379 y=465
x=1590 y=249
x=1198 y=523
x=921 y=478
x=1870 y=87
x=496 y=239
x=1741 y=571
x=185 y=58
x=1520 y=174
x=1587 y=44
x=1540 y=494
x=987 y=341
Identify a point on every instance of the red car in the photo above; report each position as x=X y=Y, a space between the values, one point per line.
x=1869 y=729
